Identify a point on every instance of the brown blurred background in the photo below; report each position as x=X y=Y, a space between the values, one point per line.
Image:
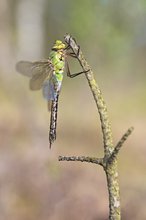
x=112 y=36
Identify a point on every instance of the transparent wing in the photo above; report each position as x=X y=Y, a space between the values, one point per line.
x=49 y=91
x=38 y=71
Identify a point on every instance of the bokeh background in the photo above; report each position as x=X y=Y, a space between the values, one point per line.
x=112 y=36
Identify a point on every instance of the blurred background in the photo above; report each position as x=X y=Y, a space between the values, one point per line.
x=112 y=36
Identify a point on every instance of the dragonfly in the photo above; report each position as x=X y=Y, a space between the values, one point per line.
x=47 y=74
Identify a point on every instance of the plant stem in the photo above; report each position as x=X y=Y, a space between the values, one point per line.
x=101 y=106
x=109 y=161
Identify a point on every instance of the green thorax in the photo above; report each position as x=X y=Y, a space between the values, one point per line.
x=57 y=59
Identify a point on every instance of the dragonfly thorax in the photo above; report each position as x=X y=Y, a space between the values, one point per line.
x=57 y=59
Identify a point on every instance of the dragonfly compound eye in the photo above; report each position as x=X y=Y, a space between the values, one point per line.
x=59 y=45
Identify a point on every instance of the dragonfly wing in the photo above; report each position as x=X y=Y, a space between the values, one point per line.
x=38 y=71
x=49 y=91
x=49 y=105
x=25 y=68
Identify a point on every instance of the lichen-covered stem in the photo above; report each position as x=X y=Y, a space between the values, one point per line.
x=82 y=159
x=110 y=166
x=113 y=189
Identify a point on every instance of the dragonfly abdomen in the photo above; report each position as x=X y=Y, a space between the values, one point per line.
x=53 y=120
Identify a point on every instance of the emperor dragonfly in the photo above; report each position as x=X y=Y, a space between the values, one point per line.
x=48 y=75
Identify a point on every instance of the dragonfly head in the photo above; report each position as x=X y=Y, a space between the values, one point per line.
x=58 y=45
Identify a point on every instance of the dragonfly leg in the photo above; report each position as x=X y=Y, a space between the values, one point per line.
x=72 y=54
x=67 y=47
x=74 y=74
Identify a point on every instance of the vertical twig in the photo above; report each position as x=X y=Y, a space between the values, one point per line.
x=109 y=161
x=106 y=128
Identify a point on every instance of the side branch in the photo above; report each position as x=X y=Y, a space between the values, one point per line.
x=120 y=143
x=82 y=159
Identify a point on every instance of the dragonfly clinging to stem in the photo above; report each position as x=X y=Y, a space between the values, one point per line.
x=48 y=75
